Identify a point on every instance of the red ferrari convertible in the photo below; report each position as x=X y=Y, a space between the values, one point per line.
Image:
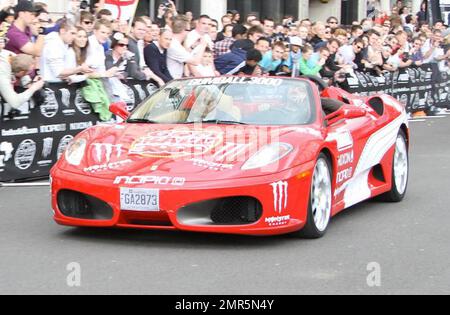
x=238 y=155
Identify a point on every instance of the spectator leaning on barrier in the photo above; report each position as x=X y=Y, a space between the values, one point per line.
x=78 y=53
x=96 y=52
x=17 y=67
x=98 y=89
x=54 y=66
x=306 y=66
x=348 y=53
x=23 y=29
x=263 y=45
x=177 y=55
x=202 y=30
x=136 y=45
x=119 y=56
x=206 y=68
x=251 y=66
x=272 y=60
x=232 y=62
x=156 y=55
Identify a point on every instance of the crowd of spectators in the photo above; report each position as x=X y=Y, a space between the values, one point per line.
x=101 y=52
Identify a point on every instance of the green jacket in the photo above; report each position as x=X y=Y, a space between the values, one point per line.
x=305 y=69
x=95 y=94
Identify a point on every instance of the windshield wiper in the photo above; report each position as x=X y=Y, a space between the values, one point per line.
x=218 y=122
x=141 y=121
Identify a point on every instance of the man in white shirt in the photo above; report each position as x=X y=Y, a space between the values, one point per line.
x=96 y=52
x=177 y=55
x=56 y=48
x=433 y=51
x=347 y=54
x=201 y=31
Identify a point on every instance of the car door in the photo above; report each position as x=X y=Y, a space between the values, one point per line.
x=348 y=138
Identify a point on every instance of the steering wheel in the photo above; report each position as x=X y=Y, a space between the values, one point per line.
x=321 y=84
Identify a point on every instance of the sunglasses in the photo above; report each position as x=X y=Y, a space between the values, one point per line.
x=122 y=45
x=88 y=22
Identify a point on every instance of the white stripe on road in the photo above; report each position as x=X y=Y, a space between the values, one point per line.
x=40 y=184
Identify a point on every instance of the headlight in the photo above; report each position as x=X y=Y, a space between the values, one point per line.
x=269 y=154
x=75 y=152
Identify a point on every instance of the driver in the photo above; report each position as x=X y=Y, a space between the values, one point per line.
x=212 y=104
x=298 y=103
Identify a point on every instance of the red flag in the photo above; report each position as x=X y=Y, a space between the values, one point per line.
x=121 y=9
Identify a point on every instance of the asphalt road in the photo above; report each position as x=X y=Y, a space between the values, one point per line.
x=409 y=242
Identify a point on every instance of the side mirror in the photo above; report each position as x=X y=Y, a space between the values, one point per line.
x=120 y=109
x=346 y=112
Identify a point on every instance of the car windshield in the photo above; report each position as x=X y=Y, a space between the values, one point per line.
x=229 y=100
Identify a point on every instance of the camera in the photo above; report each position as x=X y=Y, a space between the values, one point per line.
x=84 y=5
x=166 y=4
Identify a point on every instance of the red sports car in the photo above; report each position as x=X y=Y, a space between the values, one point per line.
x=238 y=155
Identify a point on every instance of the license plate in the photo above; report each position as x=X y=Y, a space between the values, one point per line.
x=139 y=199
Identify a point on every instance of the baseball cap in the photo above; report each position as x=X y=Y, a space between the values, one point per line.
x=296 y=41
x=24 y=6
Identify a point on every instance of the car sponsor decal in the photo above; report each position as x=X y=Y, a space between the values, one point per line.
x=156 y=180
x=236 y=80
x=176 y=143
x=214 y=166
x=277 y=221
x=107 y=166
x=280 y=196
x=344 y=175
x=103 y=152
x=357 y=189
x=346 y=159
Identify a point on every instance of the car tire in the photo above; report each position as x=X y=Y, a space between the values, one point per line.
x=400 y=171
x=320 y=200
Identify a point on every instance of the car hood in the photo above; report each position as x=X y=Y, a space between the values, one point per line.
x=211 y=152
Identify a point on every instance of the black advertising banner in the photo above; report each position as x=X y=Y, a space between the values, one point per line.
x=33 y=138
x=418 y=88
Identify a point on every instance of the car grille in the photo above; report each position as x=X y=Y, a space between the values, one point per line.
x=77 y=205
x=225 y=211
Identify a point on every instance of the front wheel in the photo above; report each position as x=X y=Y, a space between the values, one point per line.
x=400 y=171
x=320 y=201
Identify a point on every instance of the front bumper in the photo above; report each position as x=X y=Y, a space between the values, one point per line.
x=284 y=198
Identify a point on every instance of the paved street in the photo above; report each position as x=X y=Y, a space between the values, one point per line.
x=410 y=242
